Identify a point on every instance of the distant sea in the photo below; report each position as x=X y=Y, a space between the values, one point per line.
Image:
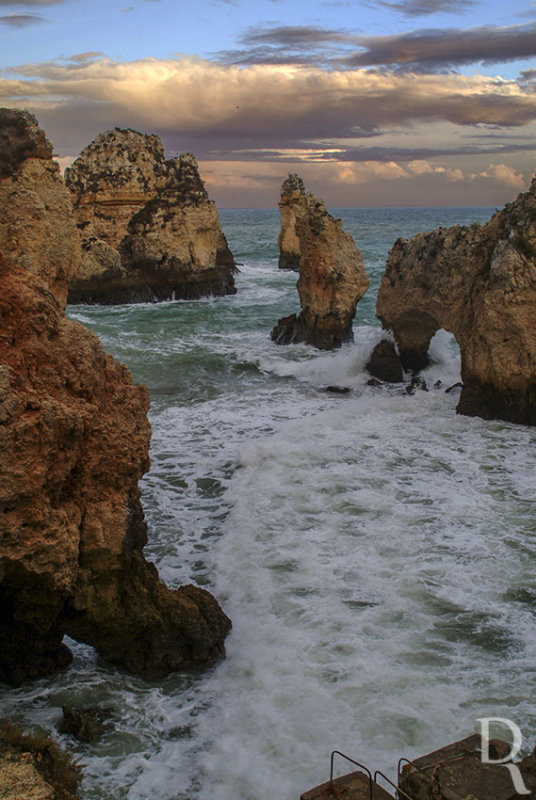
x=375 y=551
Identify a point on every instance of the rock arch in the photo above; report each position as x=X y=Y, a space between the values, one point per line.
x=479 y=283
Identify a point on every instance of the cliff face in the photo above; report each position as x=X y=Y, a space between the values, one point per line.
x=332 y=278
x=37 y=229
x=74 y=438
x=150 y=230
x=480 y=284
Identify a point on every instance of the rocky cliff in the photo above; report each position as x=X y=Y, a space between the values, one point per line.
x=332 y=277
x=74 y=438
x=37 y=229
x=150 y=231
x=478 y=282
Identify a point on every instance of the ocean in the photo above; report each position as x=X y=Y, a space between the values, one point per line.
x=374 y=550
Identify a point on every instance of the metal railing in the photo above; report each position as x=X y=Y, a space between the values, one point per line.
x=352 y=761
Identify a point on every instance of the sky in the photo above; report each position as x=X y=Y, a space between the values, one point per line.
x=371 y=102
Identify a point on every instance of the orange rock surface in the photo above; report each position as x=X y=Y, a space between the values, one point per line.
x=74 y=438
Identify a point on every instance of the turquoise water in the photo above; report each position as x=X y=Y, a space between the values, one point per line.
x=374 y=550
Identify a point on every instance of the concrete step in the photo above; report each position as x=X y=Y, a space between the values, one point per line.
x=353 y=786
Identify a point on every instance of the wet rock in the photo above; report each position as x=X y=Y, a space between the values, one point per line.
x=479 y=283
x=338 y=389
x=332 y=277
x=455 y=387
x=150 y=230
x=86 y=724
x=384 y=363
x=417 y=383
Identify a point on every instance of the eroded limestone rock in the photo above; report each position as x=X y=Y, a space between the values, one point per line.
x=332 y=277
x=37 y=229
x=150 y=230
x=74 y=438
x=478 y=282
x=290 y=207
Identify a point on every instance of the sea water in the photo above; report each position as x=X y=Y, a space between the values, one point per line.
x=375 y=551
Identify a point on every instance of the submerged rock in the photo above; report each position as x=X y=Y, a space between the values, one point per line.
x=150 y=230
x=86 y=724
x=479 y=283
x=332 y=277
x=74 y=438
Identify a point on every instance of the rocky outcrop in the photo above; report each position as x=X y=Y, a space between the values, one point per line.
x=332 y=278
x=37 y=229
x=150 y=231
x=478 y=282
x=34 y=767
x=74 y=438
x=385 y=364
x=290 y=207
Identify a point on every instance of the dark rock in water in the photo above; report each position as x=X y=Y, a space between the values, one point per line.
x=86 y=724
x=374 y=382
x=416 y=383
x=438 y=384
x=285 y=330
x=332 y=277
x=454 y=387
x=338 y=389
x=384 y=363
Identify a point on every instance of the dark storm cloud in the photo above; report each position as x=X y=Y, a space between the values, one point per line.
x=448 y=48
x=421 y=50
x=294 y=36
x=291 y=44
x=21 y=20
x=417 y=8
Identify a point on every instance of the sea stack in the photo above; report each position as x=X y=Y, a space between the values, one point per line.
x=332 y=277
x=291 y=206
x=479 y=283
x=150 y=231
x=74 y=437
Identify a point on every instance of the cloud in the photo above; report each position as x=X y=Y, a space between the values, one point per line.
x=424 y=49
x=22 y=20
x=242 y=184
x=228 y=108
x=414 y=8
x=450 y=47
x=339 y=127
